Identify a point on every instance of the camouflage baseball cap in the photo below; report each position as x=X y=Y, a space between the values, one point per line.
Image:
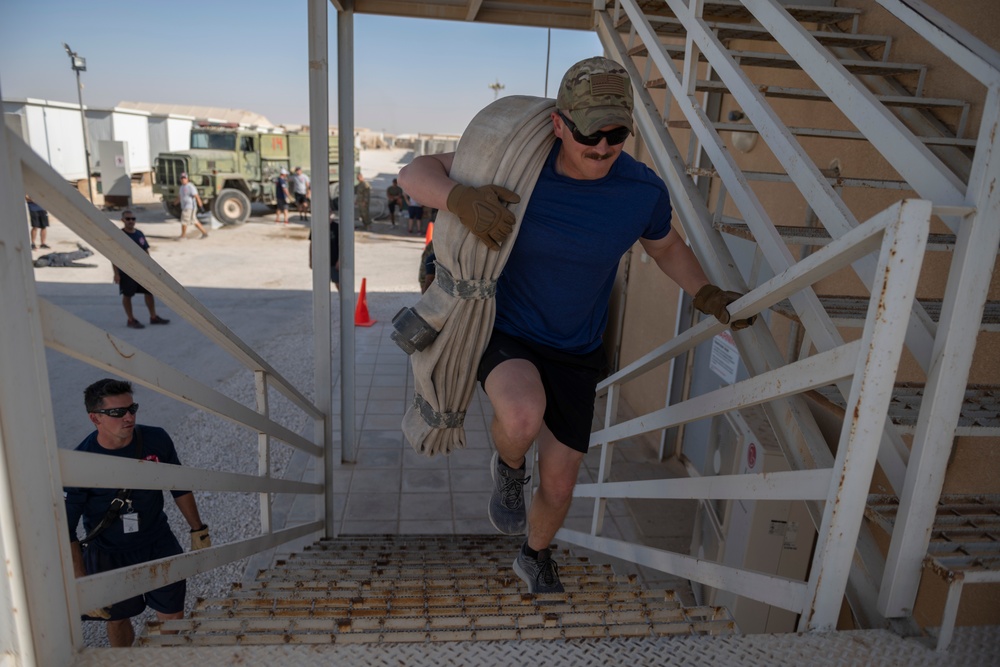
x=594 y=93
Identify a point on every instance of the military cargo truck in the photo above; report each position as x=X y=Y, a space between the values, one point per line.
x=233 y=167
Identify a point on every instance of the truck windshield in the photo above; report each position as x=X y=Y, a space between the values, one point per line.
x=225 y=142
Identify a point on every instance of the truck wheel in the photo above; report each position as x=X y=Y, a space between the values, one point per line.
x=231 y=207
x=173 y=210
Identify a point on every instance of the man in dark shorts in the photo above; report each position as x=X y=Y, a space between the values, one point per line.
x=590 y=205
x=281 y=196
x=140 y=531
x=394 y=194
x=39 y=222
x=127 y=286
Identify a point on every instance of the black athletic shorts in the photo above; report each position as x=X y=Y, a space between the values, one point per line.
x=39 y=219
x=570 y=382
x=127 y=286
x=167 y=599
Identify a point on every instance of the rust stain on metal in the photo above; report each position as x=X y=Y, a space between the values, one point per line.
x=114 y=345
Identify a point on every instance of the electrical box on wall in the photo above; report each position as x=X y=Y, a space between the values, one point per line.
x=768 y=536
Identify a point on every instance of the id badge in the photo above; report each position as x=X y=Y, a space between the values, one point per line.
x=130 y=521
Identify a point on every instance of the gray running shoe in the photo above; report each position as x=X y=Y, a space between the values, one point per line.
x=542 y=575
x=507 y=502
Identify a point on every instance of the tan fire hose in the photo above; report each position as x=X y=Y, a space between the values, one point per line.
x=505 y=144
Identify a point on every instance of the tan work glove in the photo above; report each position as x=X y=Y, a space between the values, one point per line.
x=483 y=211
x=713 y=300
x=99 y=613
x=200 y=538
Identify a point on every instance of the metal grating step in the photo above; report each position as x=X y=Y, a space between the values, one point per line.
x=850 y=311
x=814 y=95
x=672 y=27
x=391 y=589
x=980 y=415
x=818 y=236
x=783 y=61
x=735 y=10
x=824 y=133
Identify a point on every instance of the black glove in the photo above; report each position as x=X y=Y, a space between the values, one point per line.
x=713 y=300
x=482 y=210
x=200 y=538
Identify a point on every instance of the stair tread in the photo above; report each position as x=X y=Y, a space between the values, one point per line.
x=784 y=61
x=403 y=589
x=817 y=236
x=812 y=94
x=980 y=407
x=668 y=26
x=852 y=310
x=734 y=9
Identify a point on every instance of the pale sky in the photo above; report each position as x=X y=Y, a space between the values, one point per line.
x=410 y=75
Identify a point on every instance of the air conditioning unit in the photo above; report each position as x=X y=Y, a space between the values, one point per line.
x=768 y=536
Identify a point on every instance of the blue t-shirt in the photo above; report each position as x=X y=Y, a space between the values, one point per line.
x=139 y=238
x=555 y=287
x=92 y=504
x=280 y=187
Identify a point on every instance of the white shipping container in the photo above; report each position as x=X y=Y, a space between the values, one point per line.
x=169 y=133
x=54 y=131
x=129 y=126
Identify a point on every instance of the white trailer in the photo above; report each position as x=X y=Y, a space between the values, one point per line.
x=169 y=133
x=53 y=130
x=128 y=125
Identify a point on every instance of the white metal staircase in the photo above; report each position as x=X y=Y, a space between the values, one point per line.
x=711 y=55
x=419 y=600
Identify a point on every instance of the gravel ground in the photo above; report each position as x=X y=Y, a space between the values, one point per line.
x=255 y=278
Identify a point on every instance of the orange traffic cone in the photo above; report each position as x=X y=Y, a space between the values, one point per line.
x=429 y=236
x=361 y=317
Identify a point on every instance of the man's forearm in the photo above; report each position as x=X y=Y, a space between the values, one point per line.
x=77 y=554
x=189 y=509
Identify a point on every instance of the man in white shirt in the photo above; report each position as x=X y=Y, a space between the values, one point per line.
x=189 y=198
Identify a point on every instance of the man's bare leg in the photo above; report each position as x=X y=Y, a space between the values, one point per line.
x=121 y=634
x=169 y=617
x=558 y=466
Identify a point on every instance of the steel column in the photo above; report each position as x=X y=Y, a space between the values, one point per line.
x=345 y=114
x=319 y=164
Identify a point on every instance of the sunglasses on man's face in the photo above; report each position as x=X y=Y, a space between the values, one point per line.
x=614 y=137
x=128 y=219
x=118 y=413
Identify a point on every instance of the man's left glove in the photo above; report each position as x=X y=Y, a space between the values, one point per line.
x=200 y=538
x=483 y=211
x=712 y=300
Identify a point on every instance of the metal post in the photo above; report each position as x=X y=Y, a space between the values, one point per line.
x=319 y=145
x=345 y=114
x=79 y=64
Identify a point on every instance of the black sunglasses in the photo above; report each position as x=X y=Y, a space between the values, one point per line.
x=128 y=219
x=118 y=413
x=614 y=137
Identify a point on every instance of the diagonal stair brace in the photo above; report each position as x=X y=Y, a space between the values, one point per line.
x=893 y=452
x=802 y=443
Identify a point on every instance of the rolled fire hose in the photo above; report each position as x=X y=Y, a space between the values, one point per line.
x=506 y=144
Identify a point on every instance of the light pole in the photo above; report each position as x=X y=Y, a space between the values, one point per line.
x=79 y=64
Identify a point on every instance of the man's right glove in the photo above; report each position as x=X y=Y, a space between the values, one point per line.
x=712 y=300
x=200 y=538
x=482 y=210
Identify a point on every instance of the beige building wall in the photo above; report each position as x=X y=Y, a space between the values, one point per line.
x=650 y=300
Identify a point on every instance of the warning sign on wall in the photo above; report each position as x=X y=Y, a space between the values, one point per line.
x=725 y=359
